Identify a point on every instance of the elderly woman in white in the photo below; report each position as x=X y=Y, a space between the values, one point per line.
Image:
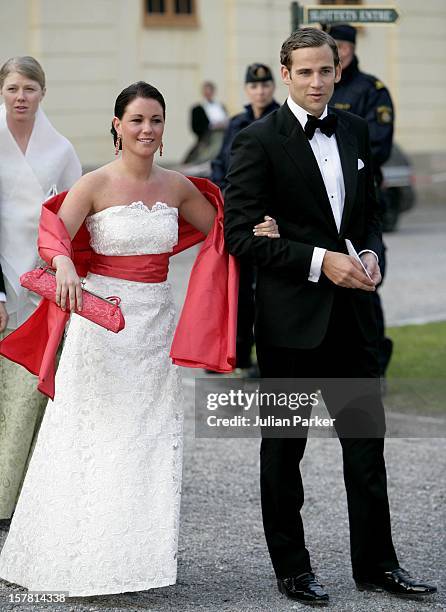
x=35 y=161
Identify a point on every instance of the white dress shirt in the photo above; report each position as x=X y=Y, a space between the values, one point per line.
x=2 y=296
x=215 y=112
x=325 y=149
x=326 y=152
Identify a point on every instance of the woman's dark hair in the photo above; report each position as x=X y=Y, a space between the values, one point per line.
x=141 y=89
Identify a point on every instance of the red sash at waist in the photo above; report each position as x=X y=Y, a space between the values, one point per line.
x=139 y=268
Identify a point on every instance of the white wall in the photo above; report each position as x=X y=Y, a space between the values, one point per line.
x=90 y=50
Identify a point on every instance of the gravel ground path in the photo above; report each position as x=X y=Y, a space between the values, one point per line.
x=223 y=561
x=414 y=290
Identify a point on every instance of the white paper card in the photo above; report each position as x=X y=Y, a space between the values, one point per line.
x=352 y=251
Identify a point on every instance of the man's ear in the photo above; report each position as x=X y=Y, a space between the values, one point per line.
x=338 y=72
x=285 y=74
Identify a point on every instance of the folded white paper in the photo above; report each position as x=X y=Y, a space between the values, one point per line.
x=352 y=251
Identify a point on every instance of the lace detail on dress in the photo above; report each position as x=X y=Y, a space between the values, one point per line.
x=154 y=208
x=99 y=509
x=138 y=205
x=134 y=229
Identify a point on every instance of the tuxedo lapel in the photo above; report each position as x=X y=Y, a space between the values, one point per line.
x=296 y=144
x=348 y=153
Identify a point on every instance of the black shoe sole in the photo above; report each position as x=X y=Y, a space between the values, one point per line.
x=376 y=588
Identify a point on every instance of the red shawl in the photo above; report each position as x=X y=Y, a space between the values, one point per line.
x=205 y=334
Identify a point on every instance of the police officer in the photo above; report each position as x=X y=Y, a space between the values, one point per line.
x=363 y=95
x=259 y=89
x=366 y=96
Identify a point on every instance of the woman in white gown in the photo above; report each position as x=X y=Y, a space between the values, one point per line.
x=99 y=509
x=34 y=160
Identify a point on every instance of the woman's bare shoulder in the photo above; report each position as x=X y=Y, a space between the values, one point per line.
x=180 y=182
x=172 y=175
x=92 y=183
x=96 y=178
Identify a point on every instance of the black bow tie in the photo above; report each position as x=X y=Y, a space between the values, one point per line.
x=327 y=125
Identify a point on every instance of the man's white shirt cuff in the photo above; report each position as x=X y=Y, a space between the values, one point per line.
x=316 y=264
x=2 y=296
x=368 y=251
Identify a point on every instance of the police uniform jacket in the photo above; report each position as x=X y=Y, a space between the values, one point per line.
x=236 y=124
x=366 y=96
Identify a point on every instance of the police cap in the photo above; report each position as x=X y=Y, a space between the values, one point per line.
x=256 y=73
x=343 y=32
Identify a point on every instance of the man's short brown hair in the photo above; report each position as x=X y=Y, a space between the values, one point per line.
x=303 y=38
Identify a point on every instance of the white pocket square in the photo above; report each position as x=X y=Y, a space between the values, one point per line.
x=360 y=164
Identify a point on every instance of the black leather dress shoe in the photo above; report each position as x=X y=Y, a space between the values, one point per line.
x=304 y=588
x=398 y=582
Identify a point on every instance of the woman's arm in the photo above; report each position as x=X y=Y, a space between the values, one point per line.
x=77 y=205
x=195 y=208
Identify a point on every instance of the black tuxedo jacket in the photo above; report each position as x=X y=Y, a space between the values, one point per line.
x=273 y=171
x=2 y=283
x=199 y=121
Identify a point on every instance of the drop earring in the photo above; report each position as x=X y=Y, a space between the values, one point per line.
x=117 y=144
x=161 y=149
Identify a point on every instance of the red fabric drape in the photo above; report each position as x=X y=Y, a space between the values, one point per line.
x=206 y=332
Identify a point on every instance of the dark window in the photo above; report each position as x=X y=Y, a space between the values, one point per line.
x=170 y=13
x=156 y=6
x=183 y=7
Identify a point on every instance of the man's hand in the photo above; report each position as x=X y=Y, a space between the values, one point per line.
x=371 y=265
x=3 y=317
x=346 y=271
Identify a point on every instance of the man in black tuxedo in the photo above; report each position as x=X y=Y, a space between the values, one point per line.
x=311 y=170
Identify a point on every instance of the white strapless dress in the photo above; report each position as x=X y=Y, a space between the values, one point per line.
x=99 y=508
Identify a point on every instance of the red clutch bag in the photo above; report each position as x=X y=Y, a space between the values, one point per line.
x=103 y=311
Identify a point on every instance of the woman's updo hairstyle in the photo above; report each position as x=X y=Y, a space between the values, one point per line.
x=141 y=89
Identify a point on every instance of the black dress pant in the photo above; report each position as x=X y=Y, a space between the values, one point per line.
x=245 y=314
x=344 y=353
